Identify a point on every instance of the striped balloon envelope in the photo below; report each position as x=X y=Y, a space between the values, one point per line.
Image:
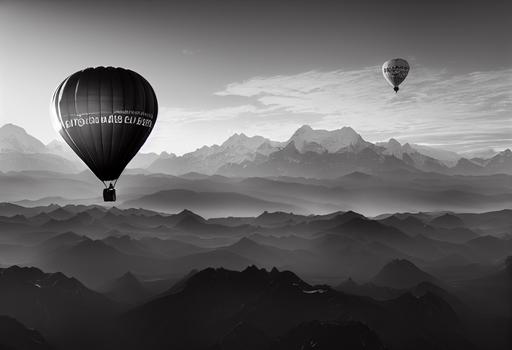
x=105 y=115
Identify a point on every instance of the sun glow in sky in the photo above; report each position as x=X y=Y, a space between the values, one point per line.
x=266 y=68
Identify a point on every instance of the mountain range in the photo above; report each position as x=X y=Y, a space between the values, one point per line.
x=307 y=153
x=261 y=306
x=95 y=277
x=401 y=273
x=251 y=308
x=61 y=308
x=97 y=245
x=324 y=154
x=236 y=246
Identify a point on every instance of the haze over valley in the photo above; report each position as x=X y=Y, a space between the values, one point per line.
x=346 y=232
x=255 y=175
x=109 y=266
x=315 y=172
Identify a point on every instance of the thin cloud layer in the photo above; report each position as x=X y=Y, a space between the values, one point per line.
x=459 y=112
x=464 y=113
x=184 y=115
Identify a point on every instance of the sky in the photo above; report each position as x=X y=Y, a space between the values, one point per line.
x=268 y=67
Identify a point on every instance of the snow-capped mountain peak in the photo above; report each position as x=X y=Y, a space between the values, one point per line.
x=242 y=140
x=330 y=140
x=395 y=148
x=20 y=151
x=15 y=138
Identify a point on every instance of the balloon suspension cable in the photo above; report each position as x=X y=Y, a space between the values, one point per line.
x=110 y=183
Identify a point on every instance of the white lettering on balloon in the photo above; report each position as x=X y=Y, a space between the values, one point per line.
x=142 y=119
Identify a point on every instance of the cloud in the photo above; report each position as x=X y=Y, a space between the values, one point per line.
x=433 y=106
x=465 y=112
x=182 y=130
x=188 y=115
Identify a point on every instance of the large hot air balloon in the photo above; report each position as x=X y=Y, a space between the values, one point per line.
x=395 y=71
x=105 y=115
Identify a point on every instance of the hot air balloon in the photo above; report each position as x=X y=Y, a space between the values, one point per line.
x=395 y=71
x=105 y=115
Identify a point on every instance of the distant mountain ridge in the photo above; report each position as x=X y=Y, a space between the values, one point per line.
x=127 y=289
x=16 y=139
x=323 y=154
x=307 y=153
x=21 y=151
x=306 y=149
x=207 y=160
x=207 y=203
x=401 y=273
x=325 y=140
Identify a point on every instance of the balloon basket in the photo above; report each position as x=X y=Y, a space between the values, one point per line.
x=109 y=195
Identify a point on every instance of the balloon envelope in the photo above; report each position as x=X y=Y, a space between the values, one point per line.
x=105 y=115
x=395 y=71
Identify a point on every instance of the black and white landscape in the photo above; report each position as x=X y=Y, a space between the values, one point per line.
x=333 y=241
x=289 y=189
x=314 y=172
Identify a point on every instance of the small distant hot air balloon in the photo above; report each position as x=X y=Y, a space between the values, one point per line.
x=105 y=115
x=395 y=71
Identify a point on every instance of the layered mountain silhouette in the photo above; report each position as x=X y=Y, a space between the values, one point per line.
x=499 y=163
x=336 y=152
x=97 y=245
x=94 y=262
x=236 y=149
x=401 y=273
x=126 y=289
x=208 y=203
x=249 y=156
x=21 y=151
x=314 y=172
x=280 y=305
x=61 y=308
x=425 y=280
x=369 y=289
x=16 y=139
x=320 y=141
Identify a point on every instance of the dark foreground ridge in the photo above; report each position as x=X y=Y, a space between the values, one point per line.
x=215 y=307
x=110 y=278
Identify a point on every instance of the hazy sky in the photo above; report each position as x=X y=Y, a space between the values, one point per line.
x=268 y=67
